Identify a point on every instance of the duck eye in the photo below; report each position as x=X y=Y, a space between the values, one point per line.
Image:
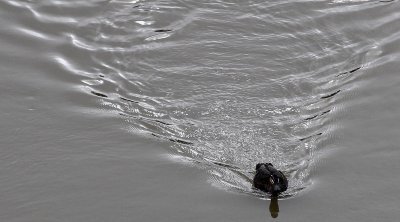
x=271 y=180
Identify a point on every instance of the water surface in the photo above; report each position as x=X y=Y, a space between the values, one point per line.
x=159 y=110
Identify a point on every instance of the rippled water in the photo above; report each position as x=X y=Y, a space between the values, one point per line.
x=310 y=86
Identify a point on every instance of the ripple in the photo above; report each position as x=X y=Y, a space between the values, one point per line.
x=158 y=37
x=225 y=85
x=34 y=33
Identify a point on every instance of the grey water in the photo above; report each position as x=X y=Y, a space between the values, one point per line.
x=135 y=110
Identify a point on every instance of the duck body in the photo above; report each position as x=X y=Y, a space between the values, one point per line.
x=269 y=179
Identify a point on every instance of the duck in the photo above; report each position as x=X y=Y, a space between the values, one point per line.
x=269 y=179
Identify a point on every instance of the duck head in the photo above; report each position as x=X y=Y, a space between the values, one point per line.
x=269 y=179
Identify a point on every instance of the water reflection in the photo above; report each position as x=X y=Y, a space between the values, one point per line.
x=274 y=207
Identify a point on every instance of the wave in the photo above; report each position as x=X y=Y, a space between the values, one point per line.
x=228 y=84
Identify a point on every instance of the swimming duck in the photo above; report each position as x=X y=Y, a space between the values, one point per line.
x=269 y=179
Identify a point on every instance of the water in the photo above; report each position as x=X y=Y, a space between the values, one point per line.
x=159 y=110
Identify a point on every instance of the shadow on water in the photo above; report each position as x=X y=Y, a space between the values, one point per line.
x=274 y=207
